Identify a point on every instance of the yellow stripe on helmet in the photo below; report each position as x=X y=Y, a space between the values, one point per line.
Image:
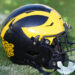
x=42 y=13
x=6 y=27
x=45 y=29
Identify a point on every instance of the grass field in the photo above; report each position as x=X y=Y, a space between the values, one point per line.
x=65 y=7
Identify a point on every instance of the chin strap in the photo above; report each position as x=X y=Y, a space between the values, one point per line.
x=66 y=70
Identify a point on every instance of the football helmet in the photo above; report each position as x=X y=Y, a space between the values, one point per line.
x=36 y=35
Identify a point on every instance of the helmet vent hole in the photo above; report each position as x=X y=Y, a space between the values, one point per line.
x=10 y=26
x=60 y=18
x=51 y=23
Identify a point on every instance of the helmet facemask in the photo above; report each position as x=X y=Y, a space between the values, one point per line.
x=59 y=48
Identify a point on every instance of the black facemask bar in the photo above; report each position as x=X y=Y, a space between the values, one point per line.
x=60 y=43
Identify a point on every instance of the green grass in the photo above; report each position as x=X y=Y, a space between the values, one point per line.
x=65 y=7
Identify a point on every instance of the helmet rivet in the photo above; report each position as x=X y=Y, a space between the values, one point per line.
x=34 y=43
x=54 y=63
x=47 y=41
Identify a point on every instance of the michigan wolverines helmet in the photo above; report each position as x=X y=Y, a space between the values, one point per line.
x=36 y=35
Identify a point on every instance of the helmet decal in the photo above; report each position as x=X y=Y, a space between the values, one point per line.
x=8 y=47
